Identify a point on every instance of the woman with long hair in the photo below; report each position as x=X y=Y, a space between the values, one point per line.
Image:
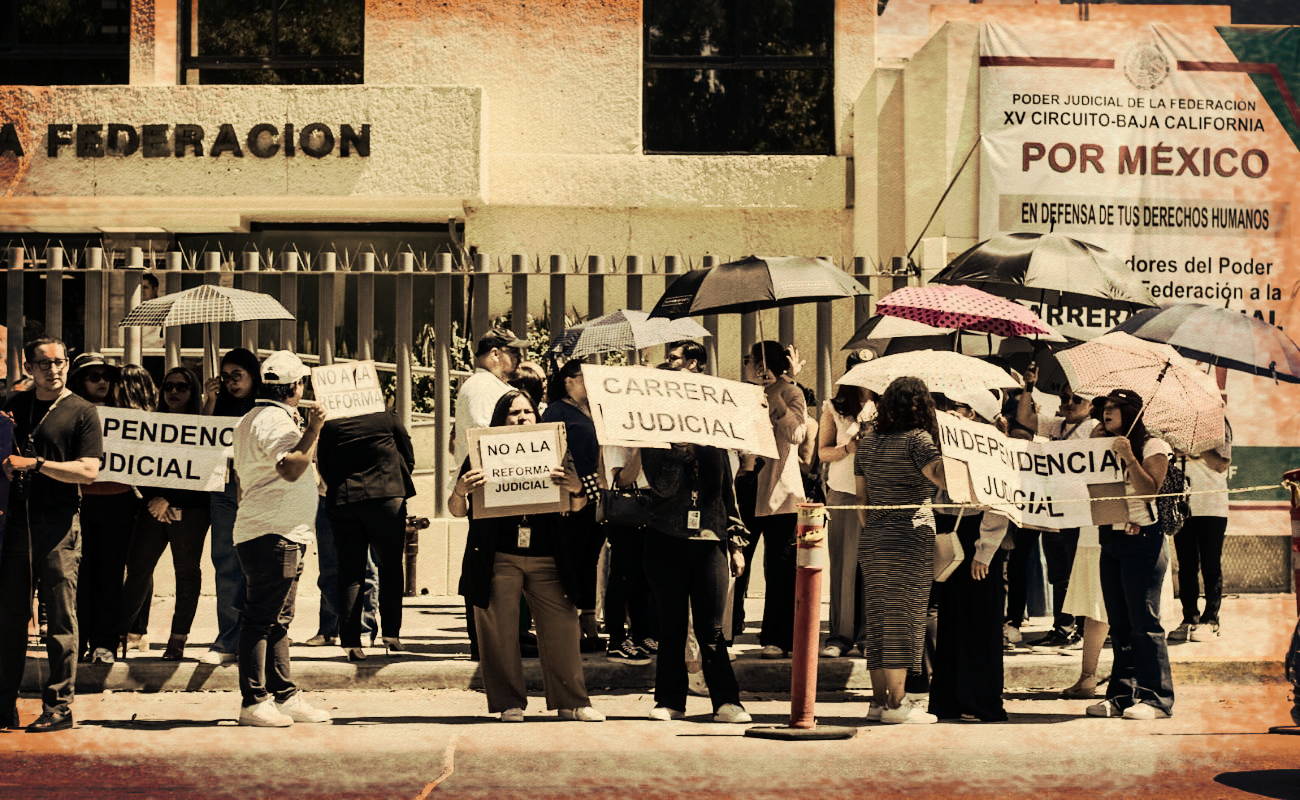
x=528 y=555
x=1133 y=564
x=232 y=393
x=897 y=464
x=108 y=512
x=780 y=491
x=843 y=418
x=175 y=517
x=566 y=398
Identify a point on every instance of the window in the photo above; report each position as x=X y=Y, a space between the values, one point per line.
x=273 y=41
x=72 y=42
x=738 y=76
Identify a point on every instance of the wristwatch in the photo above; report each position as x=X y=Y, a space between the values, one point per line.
x=40 y=462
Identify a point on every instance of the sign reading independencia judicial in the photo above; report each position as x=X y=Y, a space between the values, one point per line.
x=1039 y=484
x=653 y=407
x=174 y=451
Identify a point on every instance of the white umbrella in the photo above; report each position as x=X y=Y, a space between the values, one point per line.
x=205 y=303
x=625 y=329
x=1182 y=404
x=942 y=370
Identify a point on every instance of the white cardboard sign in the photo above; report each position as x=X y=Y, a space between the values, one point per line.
x=348 y=390
x=172 y=451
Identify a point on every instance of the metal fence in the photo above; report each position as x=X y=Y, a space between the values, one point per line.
x=366 y=309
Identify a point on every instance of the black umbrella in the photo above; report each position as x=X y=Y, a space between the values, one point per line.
x=755 y=283
x=1051 y=269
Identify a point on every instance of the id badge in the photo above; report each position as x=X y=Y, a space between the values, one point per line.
x=525 y=537
x=693 y=520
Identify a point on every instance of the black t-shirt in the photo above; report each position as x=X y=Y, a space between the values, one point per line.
x=63 y=430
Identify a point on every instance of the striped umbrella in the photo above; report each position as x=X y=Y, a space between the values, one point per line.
x=1220 y=336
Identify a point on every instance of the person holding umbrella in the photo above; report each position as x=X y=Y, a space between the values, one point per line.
x=1133 y=563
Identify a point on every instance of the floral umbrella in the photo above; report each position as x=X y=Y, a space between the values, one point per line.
x=963 y=308
x=1182 y=404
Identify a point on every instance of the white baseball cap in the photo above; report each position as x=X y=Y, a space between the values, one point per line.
x=283 y=367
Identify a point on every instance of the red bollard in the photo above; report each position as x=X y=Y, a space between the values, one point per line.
x=1291 y=480
x=812 y=560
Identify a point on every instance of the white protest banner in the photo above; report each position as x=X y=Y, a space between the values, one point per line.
x=641 y=406
x=517 y=461
x=348 y=390
x=172 y=451
x=1047 y=483
x=1175 y=148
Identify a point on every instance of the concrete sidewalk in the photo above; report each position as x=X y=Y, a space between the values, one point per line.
x=1256 y=632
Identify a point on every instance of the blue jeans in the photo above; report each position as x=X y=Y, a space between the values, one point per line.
x=1132 y=570
x=228 y=578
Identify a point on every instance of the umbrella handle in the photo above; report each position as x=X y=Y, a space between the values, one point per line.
x=1147 y=400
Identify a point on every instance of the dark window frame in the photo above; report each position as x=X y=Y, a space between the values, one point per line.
x=723 y=63
x=192 y=62
x=116 y=52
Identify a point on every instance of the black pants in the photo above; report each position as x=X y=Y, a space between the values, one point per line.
x=107 y=522
x=151 y=538
x=591 y=539
x=778 y=572
x=1058 y=551
x=47 y=553
x=1199 y=546
x=627 y=593
x=1018 y=572
x=746 y=500
x=271 y=565
x=375 y=526
x=690 y=574
x=968 y=653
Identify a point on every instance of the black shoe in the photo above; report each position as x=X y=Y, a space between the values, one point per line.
x=650 y=646
x=51 y=721
x=528 y=650
x=11 y=719
x=591 y=644
x=627 y=653
x=1056 y=639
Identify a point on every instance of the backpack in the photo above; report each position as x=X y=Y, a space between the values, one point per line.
x=1173 y=508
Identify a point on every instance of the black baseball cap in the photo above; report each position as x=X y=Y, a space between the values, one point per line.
x=1125 y=397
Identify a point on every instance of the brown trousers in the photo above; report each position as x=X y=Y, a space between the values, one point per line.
x=557 y=636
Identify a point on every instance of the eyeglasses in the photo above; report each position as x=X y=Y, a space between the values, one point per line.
x=48 y=364
x=235 y=375
x=172 y=386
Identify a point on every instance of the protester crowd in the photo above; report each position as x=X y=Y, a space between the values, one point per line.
x=672 y=587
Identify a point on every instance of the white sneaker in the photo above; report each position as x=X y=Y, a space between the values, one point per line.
x=583 y=714
x=772 y=651
x=909 y=712
x=730 y=712
x=217 y=657
x=1145 y=711
x=264 y=715
x=664 y=713
x=695 y=684
x=512 y=715
x=831 y=651
x=298 y=709
x=873 y=712
x=102 y=655
x=1106 y=708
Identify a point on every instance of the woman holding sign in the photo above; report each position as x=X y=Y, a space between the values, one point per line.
x=175 y=517
x=527 y=554
x=1133 y=563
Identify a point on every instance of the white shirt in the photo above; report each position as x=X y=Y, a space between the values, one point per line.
x=1143 y=512
x=1204 y=479
x=1057 y=429
x=268 y=503
x=475 y=402
x=839 y=474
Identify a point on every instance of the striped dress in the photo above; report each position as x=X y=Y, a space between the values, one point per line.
x=896 y=548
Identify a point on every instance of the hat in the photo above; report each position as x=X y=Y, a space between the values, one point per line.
x=982 y=402
x=498 y=337
x=1125 y=397
x=86 y=361
x=283 y=367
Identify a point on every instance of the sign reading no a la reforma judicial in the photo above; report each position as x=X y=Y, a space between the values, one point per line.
x=1176 y=149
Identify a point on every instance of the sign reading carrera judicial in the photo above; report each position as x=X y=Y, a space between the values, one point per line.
x=172 y=451
x=1047 y=485
x=641 y=406
x=517 y=461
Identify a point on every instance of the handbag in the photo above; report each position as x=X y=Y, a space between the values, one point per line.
x=627 y=507
x=948 y=552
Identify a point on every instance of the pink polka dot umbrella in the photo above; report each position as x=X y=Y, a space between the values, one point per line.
x=963 y=308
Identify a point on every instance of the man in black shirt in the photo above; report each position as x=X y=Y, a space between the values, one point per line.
x=58 y=445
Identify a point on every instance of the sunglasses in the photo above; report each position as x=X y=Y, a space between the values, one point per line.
x=97 y=377
x=172 y=386
x=236 y=375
